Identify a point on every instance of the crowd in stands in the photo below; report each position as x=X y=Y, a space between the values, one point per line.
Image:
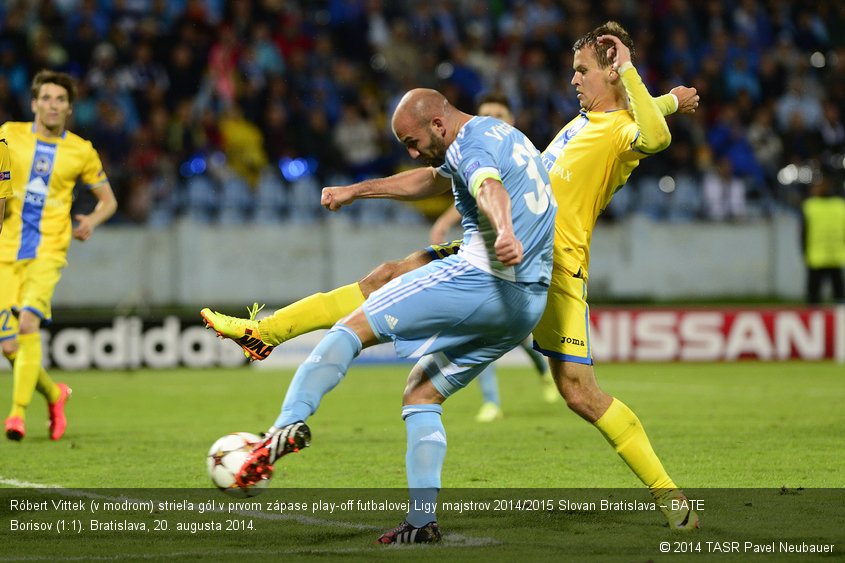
x=240 y=110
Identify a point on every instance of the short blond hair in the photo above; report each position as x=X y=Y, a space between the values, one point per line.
x=591 y=40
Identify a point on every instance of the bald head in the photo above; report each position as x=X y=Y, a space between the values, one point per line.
x=426 y=123
x=418 y=107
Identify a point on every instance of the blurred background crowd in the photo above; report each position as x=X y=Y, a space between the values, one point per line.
x=240 y=111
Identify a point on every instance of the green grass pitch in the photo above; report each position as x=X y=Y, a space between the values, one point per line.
x=761 y=443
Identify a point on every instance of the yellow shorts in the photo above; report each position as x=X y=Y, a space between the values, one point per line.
x=27 y=285
x=564 y=329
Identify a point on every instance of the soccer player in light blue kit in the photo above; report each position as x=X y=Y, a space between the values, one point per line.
x=456 y=315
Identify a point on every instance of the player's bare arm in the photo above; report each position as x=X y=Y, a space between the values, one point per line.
x=410 y=185
x=494 y=201
x=105 y=208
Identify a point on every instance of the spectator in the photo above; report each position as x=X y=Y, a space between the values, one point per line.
x=243 y=144
x=357 y=139
x=823 y=240
x=724 y=193
x=289 y=58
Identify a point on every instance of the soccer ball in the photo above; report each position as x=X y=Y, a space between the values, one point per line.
x=225 y=459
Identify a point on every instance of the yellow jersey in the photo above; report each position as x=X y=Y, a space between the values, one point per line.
x=5 y=170
x=590 y=159
x=44 y=171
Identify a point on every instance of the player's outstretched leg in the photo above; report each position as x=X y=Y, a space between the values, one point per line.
x=244 y=332
x=276 y=443
x=623 y=430
x=320 y=310
x=319 y=374
x=491 y=408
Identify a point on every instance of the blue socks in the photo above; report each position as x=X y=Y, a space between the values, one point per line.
x=489 y=385
x=319 y=374
x=424 y=460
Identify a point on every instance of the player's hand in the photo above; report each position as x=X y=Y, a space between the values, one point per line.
x=83 y=230
x=618 y=53
x=687 y=99
x=335 y=197
x=508 y=249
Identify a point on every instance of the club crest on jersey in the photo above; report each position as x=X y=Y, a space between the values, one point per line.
x=42 y=165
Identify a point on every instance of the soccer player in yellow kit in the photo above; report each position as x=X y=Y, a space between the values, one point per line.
x=46 y=160
x=588 y=161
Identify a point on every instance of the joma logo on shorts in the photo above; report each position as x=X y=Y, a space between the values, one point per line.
x=568 y=340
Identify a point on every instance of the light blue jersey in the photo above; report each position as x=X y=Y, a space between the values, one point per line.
x=488 y=148
x=460 y=313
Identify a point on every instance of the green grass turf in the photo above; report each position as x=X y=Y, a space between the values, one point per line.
x=742 y=425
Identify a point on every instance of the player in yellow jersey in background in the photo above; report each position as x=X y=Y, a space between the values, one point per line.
x=46 y=160
x=588 y=161
x=5 y=179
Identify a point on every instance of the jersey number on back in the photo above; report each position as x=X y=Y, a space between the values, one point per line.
x=537 y=201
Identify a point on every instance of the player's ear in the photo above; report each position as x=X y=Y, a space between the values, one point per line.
x=438 y=126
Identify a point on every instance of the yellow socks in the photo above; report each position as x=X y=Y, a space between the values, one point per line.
x=44 y=385
x=27 y=364
x=621 y=427
x=320 y=310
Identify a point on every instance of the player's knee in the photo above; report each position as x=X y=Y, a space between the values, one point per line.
x=9 y=346
x=382 y=274
x=582 y=395
x=420 y=391
x=28 y=322
x=576 y=400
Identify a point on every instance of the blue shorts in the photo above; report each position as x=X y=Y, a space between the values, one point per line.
x=455 y=317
